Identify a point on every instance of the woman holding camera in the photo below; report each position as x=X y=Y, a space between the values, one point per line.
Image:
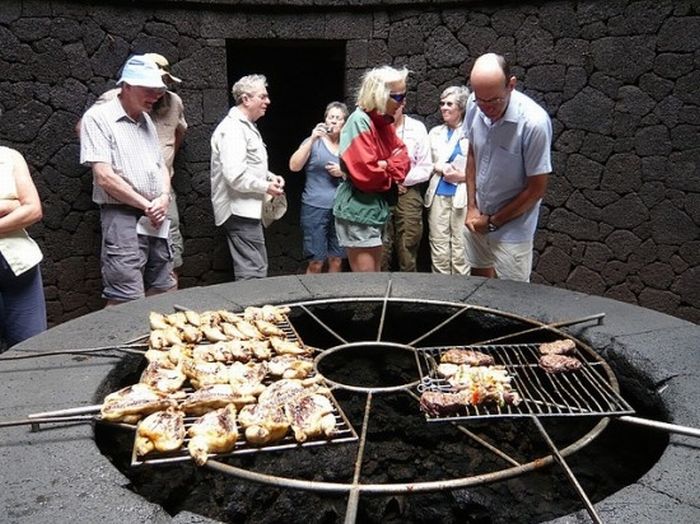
x=318 y=156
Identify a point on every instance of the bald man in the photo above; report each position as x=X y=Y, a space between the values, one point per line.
x=508 y=165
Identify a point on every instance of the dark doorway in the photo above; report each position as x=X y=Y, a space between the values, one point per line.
x=303 y=77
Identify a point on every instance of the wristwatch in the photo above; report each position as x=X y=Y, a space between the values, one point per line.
x=492 y=227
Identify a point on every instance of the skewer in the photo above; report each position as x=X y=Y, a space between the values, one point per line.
x=54 y=420
x=94 y=408
x=574 y=482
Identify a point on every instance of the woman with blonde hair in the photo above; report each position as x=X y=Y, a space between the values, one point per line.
x=375 y=160
x=446 y=197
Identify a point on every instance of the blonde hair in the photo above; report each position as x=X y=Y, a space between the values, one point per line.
x=374 y=90
x=246 y=85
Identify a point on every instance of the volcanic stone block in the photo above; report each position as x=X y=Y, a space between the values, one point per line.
x=655 y=85
x=622 y=173
x=546 y=77
x=583 y=172
x=679 y=34
x=653 y=140
x=585 y=280
x=671 y=225
x=402 y=37
x=23 y=123
x=590 y=110
x=442 y=49
x=554 y=264
x=578 y=227
x=535 y=45
x=626 y=213
x=626 y=58
x=479 y=40
x=658 y=275
x=659 y=300
x=559 y=19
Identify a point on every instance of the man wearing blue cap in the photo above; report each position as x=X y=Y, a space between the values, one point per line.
x=131 y=184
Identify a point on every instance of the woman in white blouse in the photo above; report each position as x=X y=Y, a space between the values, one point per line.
x=22 y=305
x=446 y=197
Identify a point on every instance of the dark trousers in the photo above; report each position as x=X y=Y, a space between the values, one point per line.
x=22 y=305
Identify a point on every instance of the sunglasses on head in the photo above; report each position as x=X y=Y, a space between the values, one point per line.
x=397 y=97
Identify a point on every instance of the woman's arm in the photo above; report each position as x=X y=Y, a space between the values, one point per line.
x=29 y=210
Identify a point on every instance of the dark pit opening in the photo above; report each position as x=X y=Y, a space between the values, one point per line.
x=401 y=445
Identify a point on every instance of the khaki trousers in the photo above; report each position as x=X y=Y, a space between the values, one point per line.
x=446 y=234
x=403 y=231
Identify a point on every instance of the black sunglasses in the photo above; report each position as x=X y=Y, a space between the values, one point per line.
x=397 y=97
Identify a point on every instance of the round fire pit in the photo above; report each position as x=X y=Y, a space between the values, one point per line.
x=651 y=354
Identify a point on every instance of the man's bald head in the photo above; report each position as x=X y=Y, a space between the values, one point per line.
x=491 y=83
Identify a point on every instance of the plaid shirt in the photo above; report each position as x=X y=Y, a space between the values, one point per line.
x=109 y=135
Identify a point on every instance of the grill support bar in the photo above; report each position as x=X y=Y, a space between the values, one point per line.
x=572 y=478
x=661 y=426
x=354 y=497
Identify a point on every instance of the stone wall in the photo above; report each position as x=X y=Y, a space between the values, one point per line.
x=620 y=79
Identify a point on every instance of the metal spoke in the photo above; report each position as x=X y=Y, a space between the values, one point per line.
x=572 y=478
x=439 y=326
x=322 y=324
x=662 y=426
x=384 y=307
x=354 y=497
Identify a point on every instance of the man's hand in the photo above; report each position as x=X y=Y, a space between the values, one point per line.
x=276 y=185
x=158 y=209
x=476 y=222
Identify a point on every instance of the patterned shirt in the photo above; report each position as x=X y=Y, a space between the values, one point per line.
x=130 y=147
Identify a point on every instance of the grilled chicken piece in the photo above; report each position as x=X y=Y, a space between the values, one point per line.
x=231 y=331
x=558 y=347
x=268 y=328
x=282 y=346
x=290 y=366
x=267 y=312
x=228 y=316
x=447 y=370
x=263 y=424
x=205 y=373
x=213 y=334
x=193 y=318
x=156 y=355
x=191 y=334
x=246 y=379
x=310 y=416
x=260 y=349
x=177 y=319
x=163 y=376
x=249 y=330
x=209 y=319
x=467 y=356
x=179 y=352
x=132 y=403
x=214 y=432
x=559 y=363
x=162 y=431
x=212 y=397
x=157 y=320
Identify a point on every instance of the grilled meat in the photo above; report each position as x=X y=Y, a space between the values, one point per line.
x=282 y=346
x=268 y=328
x=213 y=334
x=558 y=347
x=466 y=356
x=246 y=379
x=214 y=432
x=162 y=431
x=440 y=403
x=290 y=366
x=134 y=402
x=231 y=331
x=227 y=352
x=310 y=416
x=205 y=373
x=157 y=320
x=214 y=396
x=447 y=370
x=267 y=312
x=559 y=363
x=249 y=330
x=163 y=376
x=485 y=384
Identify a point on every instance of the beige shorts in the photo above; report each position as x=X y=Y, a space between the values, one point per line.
x=512 y=261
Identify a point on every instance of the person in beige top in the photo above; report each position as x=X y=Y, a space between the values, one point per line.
x=22 y=305
x=168 y=115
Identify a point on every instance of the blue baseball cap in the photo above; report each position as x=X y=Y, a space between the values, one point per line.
x=142 y=71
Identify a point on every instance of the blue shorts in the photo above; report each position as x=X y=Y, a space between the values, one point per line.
x=22 y=306
x=318 y=228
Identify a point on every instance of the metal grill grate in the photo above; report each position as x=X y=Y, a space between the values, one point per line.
x=344 y=433
x=583 y=392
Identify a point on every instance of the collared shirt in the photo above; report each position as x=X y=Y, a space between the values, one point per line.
x=109 y=135
x=506 y=152
x=168 y=116
x=413 y=133
x=20 y=252
x=239 y=174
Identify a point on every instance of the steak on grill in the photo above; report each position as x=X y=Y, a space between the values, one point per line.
x=466 y=356
x=558 y=347
x=559 y=363
x=439 y=403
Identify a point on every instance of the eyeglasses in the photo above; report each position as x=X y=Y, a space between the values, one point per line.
x=448 y=104
x=490 y=102
x=397 y=97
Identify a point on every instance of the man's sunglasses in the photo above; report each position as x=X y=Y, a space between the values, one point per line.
x=397 y=97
